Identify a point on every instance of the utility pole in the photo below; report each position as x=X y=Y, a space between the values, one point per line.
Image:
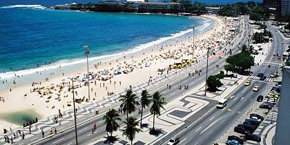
x=206 y=71
x=75 y=117
x=87 y=52
x=193 y=28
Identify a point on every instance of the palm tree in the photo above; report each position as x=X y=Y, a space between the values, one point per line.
x=129 y=102
x=131 y=128
x=111 y=119
x=158 y=102
x=145 y=101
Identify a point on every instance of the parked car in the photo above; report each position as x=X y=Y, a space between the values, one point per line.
x=253 y=137
x=253 y=122
x=260 y=98
x=241 y=130
x=249 y=127
x=233 y=137
x=232 y=142
x=254 y=115
x=173 y=141
x=266 y=105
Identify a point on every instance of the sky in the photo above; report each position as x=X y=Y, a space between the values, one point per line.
x=225 y=1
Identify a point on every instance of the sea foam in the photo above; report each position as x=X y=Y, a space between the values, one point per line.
x=23 y=6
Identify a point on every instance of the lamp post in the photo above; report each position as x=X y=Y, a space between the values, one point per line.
x=193 y=28
x=74 y=106
x=87 y=52
x=206 y=71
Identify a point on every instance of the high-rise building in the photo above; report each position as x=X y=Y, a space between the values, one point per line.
x=285 y=7
x=273 y=4
x=283 y=127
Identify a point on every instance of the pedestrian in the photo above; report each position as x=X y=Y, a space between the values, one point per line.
x=42 y=132
x=55 y=131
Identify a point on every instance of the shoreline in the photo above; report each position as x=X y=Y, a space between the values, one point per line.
x=61 y=64
x=32 y=101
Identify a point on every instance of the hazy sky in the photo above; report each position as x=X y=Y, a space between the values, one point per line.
x=225 y=1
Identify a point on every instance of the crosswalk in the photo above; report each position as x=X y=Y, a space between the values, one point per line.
x=272 y=63
x=258 y=78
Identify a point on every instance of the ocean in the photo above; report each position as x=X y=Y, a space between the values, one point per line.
x=32 y=36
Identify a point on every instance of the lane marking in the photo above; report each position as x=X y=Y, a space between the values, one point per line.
x=197 y=129
x=211 y=118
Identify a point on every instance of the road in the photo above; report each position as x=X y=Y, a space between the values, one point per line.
x=84 y=129
x=214 y=124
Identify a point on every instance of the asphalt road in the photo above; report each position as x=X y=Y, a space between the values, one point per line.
x=214 y=124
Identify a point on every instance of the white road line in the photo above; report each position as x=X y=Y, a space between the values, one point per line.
x=242 y=98
x=211 y=118
x=183 y=140
x=198 y=129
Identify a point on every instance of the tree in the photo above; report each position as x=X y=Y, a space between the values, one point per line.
x=111 y=119
x=248 y=50
x=129 y=102
x=131 y=128
x=213 y=83
x=221 y=75
x=145 y=101
x=229 y=67
x=287 y=26
x=158 y=102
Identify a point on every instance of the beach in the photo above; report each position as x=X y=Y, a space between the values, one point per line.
x=110 y=75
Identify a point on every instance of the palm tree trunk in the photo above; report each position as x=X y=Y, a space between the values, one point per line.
x=127 y=115
x=131 y=142
x=141 y=117
x=153 y=121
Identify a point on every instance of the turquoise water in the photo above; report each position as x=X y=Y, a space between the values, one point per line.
x=20 y=117
x=31 y=37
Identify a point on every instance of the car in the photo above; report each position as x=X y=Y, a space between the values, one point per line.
x=233 y=137
x=249 y=127
x=263 y=78
x=173 y=141
x=274 y=75
x=252 y=121
x=260 y=98
x=232 y=142
x=260 y=75
x=254 y=115
x=256 y=88
x=240 y=129
x=253 y=137
x=265 y=106
x=221 y=103
x=247 y=82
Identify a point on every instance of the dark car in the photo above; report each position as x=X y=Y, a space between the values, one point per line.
x=263 y=78
x=249 y=127
x=254 y=115
x=241 y=130
x=260 y=75
x=253 y=122
x=260 y=98
x=265 y=106
x=253 y=137
x=232 y=142
x=233 y=137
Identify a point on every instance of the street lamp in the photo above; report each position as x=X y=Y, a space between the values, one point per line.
x=87 y=52
x=74 y=106
x=193 y=28
x=206 y=71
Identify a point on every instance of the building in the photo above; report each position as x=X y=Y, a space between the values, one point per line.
x=273 y=5
x=285 y=7
x=283 y=127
